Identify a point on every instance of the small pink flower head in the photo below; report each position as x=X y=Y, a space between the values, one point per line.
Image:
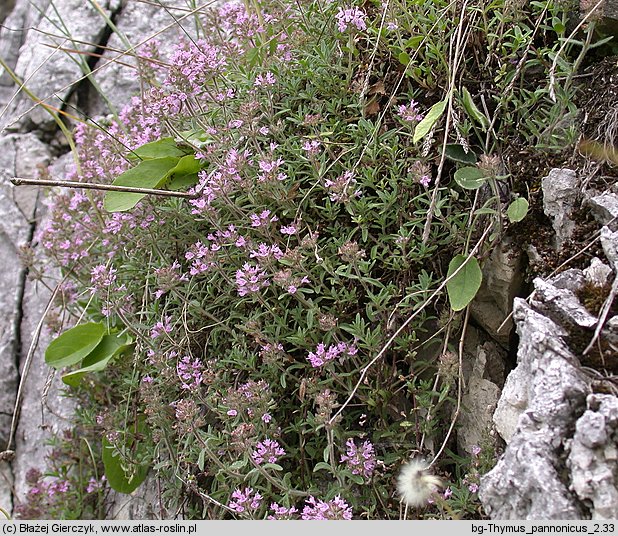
x=267 y=451
x=410 y=112
x=334 y=509
x=245 y=501
x=352 y=16
x=268 y=79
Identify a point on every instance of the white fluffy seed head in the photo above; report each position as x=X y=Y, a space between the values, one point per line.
x=415 y=484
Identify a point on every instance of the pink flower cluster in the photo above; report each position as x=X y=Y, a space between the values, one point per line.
x=245 y=501
x=334 y=509
x=190 y=372
x=321 y=356
x=410 y=112
x=360 y=460
x=342 y=189
x=267 y=451
x=281 y=512
x=193 y=64
x=352 y=16
x=250 y=279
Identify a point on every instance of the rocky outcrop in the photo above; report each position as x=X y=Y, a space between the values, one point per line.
x=560 y=459
x=36 y=39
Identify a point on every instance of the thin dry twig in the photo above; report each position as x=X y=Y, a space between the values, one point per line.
x=19 y=181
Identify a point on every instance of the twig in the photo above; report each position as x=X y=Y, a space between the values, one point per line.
x=457 y=54
x=19 y=181
x=405 y=324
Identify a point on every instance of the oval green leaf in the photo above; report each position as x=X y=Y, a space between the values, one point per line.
x=457 y=153
x=147 y=174
x=118 y=479
x=184 y=173
x=158 y=149
x=517 y=210
x=427 y=123
x=109 y=347
x=74 y=345
x=470 y=178
x=465 y=284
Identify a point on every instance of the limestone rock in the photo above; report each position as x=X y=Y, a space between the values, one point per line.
x=526 y=482
x=139 y=22
x=561 y=304
x=49 y=72
x=19 y=154
x=598 y=273
x=593 y=456
x=604 y=208
x=560 y=198
x=609 y=242
x=502 y=281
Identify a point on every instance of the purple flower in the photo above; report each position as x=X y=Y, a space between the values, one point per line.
x=410 y=112
x=268 y=79
x=281 y=512
x=250 y=279
x=102 y=277
x=476 y=450
x=342 y=189
x=321 y=356
x=288 y=229
x=163 y=326
x=473 y=487
x=311 y=147
x=245 y=500
x=360 y=461
x=447 y=493
x=267 y=451
x=190 y=372
x=337 y=508
x=351 y=16
x=264 y=218
x=232 y=412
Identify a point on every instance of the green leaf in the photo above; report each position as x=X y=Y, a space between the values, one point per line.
x=158 y=149
x=109 y=347
x=473 y=111
x=238 y=464
x=147 y=174
x=456 y=152
x=404 y=58
x=116 y=476
x=73 y=345
x=427 y=123
x=470 y=178
x=463 y=287
x=517 y=210
x=184 y=173
x=321 y=466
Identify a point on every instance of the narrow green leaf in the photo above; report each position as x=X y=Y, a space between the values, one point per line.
x=517 y=210
x=427 y=123
x=109 y=347
x=473 y=111
x=464 y=286
x=73 y=345
x=470 y=178
x=184 y=173
x=158 y=149
x=147 y=174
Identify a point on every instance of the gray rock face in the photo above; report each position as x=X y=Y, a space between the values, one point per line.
x=560 y=198
x=548 y=392
x=138 y=23
x=593 y=456
x=48 y=71
x=604 y=208
x=502 y=281
x=561 y=455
